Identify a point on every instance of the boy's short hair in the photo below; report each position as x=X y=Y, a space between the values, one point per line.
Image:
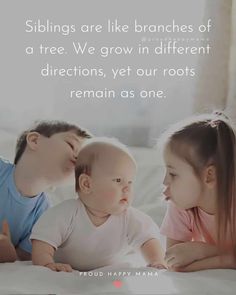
x=47 y=129
x=91 y=152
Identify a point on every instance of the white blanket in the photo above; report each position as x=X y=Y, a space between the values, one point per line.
x=24 y=278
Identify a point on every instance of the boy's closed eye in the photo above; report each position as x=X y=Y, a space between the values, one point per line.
x=70 y=145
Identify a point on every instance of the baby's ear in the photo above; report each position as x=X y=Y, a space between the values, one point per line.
x=210 y=176
x=84 y=182
x=32 y=140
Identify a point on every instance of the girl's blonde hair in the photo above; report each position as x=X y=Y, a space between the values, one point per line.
x=210 y=140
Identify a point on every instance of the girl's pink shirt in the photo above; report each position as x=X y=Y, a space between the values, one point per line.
x=182 y=225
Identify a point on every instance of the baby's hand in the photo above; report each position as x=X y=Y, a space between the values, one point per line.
x=59 y=267
x=157 y=264
x=7 y=249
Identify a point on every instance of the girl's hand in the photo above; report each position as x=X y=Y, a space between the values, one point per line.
x=59 y=267
x=156 y=264
x=7 y=249
x=182 y=254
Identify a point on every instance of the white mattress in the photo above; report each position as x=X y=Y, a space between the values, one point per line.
x=24 y=278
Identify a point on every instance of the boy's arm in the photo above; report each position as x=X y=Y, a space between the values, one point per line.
x=153 y=253
x=226 y=261
x=22 y=254
x=7 y=249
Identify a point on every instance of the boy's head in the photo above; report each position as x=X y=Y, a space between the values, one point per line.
x=105 y=171
x=51 y=145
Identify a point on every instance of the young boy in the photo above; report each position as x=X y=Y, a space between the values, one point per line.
x=45 y=155
x=96 y=229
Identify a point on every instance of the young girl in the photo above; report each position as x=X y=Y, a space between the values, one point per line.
x=200 y=181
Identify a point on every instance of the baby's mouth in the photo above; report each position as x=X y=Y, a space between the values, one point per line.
x=124 y=200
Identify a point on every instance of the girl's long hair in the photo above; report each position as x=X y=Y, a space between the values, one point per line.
x=210 y=140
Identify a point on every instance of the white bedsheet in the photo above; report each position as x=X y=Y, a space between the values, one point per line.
x=24 y=278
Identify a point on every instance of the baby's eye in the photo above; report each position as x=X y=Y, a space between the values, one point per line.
x=130 y=182
x=117 y=180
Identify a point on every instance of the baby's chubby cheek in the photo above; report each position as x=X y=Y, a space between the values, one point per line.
x=109 y=195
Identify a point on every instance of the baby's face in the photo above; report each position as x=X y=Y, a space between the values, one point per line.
x=112 y=180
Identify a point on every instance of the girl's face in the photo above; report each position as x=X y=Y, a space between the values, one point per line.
x=183 y=187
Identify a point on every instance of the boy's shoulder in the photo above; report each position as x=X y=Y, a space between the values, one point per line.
x=5 y=162
x=5 y=169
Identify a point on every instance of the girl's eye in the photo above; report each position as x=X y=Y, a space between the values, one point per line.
x=172 y=174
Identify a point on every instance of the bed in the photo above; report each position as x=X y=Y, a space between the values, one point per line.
x=24 y=278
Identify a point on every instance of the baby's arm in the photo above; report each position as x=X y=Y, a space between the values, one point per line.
x=42 y=254
x=153 y=253
x=180 y=254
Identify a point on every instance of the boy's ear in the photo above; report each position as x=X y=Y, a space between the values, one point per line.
x=32 y=140
x=210 y=176
x=85 y=183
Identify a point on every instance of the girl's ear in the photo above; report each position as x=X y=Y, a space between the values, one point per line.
x=85 y=184
x=210 y=176
x=32 y=140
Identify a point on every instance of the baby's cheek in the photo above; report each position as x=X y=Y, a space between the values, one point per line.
x=109 y=194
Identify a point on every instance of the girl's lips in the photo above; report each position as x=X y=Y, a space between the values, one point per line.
x=73 y=162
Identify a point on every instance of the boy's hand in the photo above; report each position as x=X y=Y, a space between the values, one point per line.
x=7 y=249
x=59 y=267
x=182 y=254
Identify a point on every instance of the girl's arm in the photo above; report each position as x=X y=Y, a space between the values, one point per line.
x=171 y=242
x=226 y=261
x=42 y=254
x=180 y=254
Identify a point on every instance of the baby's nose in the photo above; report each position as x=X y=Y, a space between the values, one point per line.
x=126 y=188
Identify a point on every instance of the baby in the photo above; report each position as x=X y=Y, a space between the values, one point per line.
x=99 y=227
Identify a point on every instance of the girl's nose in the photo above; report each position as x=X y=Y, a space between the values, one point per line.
x=166 y=192
x=165 y=181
